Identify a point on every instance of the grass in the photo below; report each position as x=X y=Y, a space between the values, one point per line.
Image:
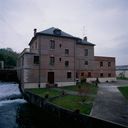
x=72 y=102
x=43 y=91
x=88 y=88
x=122 y=78
x=124 y=91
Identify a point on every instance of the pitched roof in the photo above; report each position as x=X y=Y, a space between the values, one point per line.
x=59 y=33
x=55 y=32
x=84 y=42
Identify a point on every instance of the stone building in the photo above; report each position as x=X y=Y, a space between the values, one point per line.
x=58 y=58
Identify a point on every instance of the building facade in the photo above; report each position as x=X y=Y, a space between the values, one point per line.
x=122 y=71
x=58 y=58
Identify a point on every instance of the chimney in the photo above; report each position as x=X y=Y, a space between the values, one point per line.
x=85 y=38
x=35 y=31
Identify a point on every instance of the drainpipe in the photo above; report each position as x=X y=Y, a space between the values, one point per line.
x=39 y=61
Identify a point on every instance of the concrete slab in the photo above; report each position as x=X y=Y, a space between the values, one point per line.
x=110 y=104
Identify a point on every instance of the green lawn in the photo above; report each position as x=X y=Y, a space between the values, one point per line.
x=43 y=91
x=122 y=78
x=88 y=88
x=124 y=91
x=72 y=102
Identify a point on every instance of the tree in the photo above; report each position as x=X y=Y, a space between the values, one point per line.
x=9 y=57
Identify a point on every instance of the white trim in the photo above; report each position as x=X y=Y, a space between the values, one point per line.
x=43 y=85
x=61 y=84
x=109 y=79
x=34 y=85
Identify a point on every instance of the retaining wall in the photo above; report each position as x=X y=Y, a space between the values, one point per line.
x=74 y=118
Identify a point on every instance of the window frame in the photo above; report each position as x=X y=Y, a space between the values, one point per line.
x=52 y=44
x=52 y=60
x=86 y=52
x=66 y=51
x=66 y=63
x=69 y=75
x=36 y=59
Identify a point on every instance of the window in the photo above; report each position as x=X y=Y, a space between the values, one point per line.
x=101 y=74
x=86 y=52
x=82 y=73
x=69 y=75
x=52 y=60
x=36 y=60
x=109 y=64
x=36 y=45
x=89 y=74
x=66 y=63
x=60 y=45
x=60 y=59
x=86 y=62
x=66 y=51
x=52 y=44
x=101 y=64
x=76 y=74
x=109 y=74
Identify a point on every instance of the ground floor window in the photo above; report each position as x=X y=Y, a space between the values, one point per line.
x=101 y=74
x=69 y=75
x=89 y=74
x=109 y=74
x=82 y=73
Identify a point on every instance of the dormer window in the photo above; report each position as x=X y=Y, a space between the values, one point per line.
x=57 y=32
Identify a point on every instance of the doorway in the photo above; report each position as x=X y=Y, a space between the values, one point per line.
x=51 y=77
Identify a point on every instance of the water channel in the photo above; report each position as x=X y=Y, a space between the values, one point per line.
x=15 y=112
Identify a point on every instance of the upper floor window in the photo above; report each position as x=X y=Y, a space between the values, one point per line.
x=36 y=60
x=86 y=52
x=86 y=62
x=101 y=64
x=52 y=44
x=109 y=64
x=60 y=59
x=52 y=60
x=66 y=51
x=66 y=63
x=69 y=75
x=60 y=45
x=36 y=45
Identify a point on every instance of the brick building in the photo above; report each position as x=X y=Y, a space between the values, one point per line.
x=55 y=57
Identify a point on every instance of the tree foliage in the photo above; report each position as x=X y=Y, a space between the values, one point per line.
x=9 y=57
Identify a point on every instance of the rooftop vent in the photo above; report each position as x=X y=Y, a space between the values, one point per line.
x=57 y=32
x=85 y=38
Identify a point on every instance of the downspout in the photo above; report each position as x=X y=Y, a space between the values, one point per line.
x=75 y=61
x=39 y=50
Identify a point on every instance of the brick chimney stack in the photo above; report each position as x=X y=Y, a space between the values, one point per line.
x=35 y=30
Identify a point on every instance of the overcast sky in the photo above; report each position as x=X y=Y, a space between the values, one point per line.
x=104 y=22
